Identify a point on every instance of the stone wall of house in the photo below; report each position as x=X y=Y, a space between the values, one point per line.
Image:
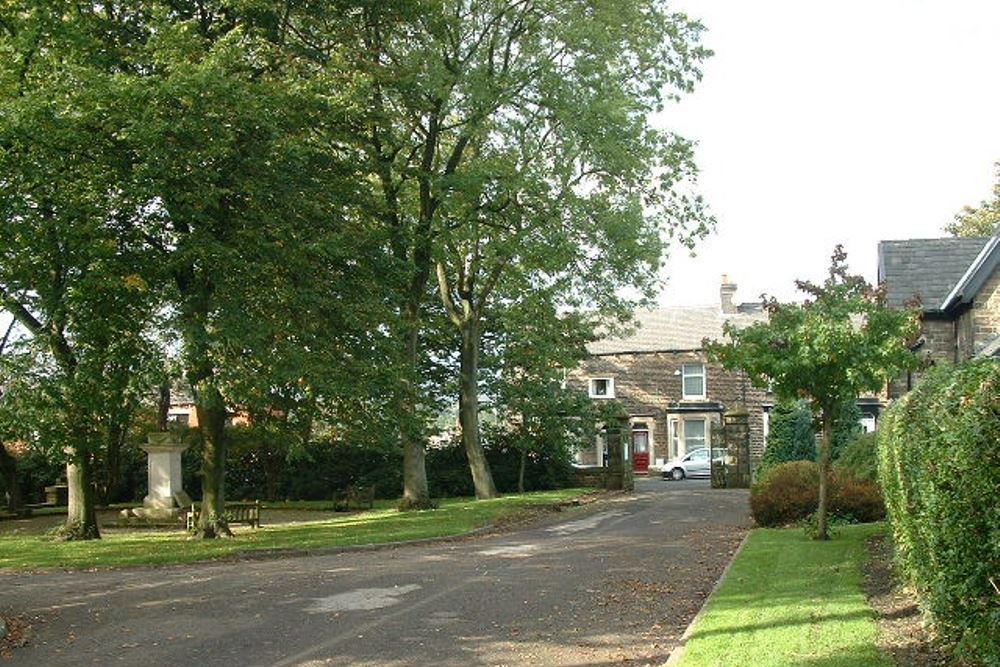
x=647 y=383
x=986 y=313
x=939 y=347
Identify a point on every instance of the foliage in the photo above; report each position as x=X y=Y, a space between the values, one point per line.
x=982 y=220
x=511 y=154
x=939 y=465
x=790 y=436
x=846 y=427
x=789 y=492
x=842 y=342
x=71 y=270
x=774 y=609
x=861 y=457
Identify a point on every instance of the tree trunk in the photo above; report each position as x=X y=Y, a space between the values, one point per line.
x=521 y=468
x=163 y=407
x=211 y=411
x=8 y=469
x=468 y=411
x=111 y=487
x=81 y=516
x=824 y=474
x=416 y=494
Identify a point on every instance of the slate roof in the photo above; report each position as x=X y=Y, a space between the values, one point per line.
x=976 y=276
x=926 y=268
x=675 y=328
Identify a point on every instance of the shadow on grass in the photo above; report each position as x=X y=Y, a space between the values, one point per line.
x=812 y=619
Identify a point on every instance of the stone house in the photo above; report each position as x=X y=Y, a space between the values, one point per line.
x=956 y=282
x=675 y=397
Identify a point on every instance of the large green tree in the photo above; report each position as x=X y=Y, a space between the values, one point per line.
x=251 y=216
x=841 y=342
x=510 y=141
x=70 y=270
x=982 y=220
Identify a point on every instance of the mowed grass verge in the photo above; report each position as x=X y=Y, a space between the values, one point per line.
x=789 y=600
x=381 y=525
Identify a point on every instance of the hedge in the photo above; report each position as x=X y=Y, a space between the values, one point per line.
x=939 y=465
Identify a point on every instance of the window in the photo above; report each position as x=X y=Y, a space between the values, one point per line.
x=602 y=388
x=868 y=423
x=179 y=419
x=693 y=381
x=695 y=434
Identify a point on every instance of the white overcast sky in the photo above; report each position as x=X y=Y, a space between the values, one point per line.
x=833 y=122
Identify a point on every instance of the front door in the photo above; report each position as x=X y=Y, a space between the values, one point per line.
x=640 y=447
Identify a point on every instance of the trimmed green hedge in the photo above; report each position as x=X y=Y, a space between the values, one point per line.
x=939 y=465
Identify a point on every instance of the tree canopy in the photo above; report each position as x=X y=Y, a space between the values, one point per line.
x=841 y=342
x=982 y=220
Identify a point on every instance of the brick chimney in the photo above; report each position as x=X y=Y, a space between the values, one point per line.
x=726 y=292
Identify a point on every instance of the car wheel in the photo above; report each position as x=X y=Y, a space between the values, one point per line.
x=677 y=474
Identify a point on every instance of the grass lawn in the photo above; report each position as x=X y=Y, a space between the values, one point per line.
x=383 y=524
x=789 y=600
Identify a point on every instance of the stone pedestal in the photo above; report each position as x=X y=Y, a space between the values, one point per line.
x=164 y=475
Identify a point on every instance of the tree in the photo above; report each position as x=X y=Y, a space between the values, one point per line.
x=509 y=142
x=250 y=216
x=983 y=220
x=530 y=344
x=70 y=270
x=841 y=342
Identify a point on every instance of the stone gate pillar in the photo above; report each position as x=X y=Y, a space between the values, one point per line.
x=620 y=469
x=736 y=433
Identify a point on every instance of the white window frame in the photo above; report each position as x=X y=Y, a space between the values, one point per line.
x=673 y=437
x=685 y=375
x=591 y=383
x=706 y=442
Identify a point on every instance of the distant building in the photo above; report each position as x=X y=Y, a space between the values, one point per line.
x=674 y=395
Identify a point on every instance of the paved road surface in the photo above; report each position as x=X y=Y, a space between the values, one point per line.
x=612 y=586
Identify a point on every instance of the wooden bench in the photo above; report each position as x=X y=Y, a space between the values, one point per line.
x=357 y=495
x=245 y=513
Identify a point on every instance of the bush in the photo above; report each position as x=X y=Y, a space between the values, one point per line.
x=791 y=436
x=939 y=465
x=448 y=469
x=789 y=492
x=861 y=457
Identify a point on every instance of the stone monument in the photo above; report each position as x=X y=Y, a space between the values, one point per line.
x=166 y=497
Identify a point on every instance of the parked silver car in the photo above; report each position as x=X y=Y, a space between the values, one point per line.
x=695 y=463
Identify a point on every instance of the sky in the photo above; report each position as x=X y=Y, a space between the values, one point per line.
x=820 y=123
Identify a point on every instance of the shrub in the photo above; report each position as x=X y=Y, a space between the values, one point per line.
x=861 y=457
x=939 y=464
x=789 y=492
x=785 y=493
x=790 y=436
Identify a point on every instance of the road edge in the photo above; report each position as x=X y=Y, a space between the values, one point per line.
x=678 y=653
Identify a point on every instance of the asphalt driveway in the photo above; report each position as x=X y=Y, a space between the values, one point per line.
x=615 y=584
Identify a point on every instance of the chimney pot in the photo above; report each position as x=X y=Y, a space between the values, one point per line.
x=726 y=293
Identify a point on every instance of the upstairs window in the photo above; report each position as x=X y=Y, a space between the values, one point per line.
x=693 y=381
x=602 y=387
